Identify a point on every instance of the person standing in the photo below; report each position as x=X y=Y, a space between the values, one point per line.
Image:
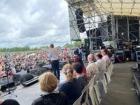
x=53 y=57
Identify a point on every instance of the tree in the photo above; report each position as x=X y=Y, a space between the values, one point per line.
x=77 y=43
x=68 y=45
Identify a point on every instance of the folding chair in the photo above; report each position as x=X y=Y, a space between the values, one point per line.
x=97 y=92
x=88 y=96
x=104 y=84
x=107 y=77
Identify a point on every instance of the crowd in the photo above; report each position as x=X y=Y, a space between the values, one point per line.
x=22 y=61
x=76 y=80
x=26 y=60
x=77 y=74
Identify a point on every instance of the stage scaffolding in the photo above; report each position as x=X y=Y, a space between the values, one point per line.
x=103 y=15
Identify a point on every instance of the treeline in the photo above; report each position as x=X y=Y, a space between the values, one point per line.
x=73 y=45
x=27 y=48
x=16 y=49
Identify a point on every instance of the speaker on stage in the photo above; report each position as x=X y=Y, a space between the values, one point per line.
x=16 y=78
x=80 y=21
x=93 y=32
x=26 y=79
x=6 y=84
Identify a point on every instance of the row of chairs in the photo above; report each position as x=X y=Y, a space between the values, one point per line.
x=94 y=92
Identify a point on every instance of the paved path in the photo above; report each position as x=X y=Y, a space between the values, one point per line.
x=121 y=90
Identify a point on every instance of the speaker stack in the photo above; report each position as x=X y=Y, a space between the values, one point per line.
x=80 y=21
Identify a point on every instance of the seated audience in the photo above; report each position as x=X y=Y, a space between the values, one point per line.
x=70 y=87
x=48 y=83
x=76 y=59
x=10 y=102
x=81 y=78
x=101 y=65
x=91 y=68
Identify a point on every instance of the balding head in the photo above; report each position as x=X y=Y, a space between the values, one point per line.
x=91 y=58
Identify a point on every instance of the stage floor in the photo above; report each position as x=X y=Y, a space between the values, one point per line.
x=26 y=95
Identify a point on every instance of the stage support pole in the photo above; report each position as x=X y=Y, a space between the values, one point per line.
x=128 y=34
x=113 y=27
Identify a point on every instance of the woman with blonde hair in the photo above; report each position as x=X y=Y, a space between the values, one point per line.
x=70 y=86
x=48 y=83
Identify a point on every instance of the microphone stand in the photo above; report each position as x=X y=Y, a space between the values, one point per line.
x=7 y=68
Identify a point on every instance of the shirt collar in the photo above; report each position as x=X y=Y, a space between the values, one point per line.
x=46 y=93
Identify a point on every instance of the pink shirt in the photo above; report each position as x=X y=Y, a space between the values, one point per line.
x=106 y=59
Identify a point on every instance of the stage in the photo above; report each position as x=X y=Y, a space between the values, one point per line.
x=26 y=95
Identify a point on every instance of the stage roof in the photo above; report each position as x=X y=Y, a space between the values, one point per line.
x=115 y=7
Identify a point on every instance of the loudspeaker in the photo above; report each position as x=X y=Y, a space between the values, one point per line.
x=93 y=32
x=6 y=84
x=25 y=78
x=17 y=78
x=9 y=85
x=80 y=21
x=109 y=24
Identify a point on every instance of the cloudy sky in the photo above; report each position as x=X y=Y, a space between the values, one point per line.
x=33 y=22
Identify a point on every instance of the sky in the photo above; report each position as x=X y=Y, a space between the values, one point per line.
x=33 y=23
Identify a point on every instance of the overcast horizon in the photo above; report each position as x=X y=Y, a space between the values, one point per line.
x=33 y=23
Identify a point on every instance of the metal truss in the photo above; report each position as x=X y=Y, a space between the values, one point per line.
x=97 y=16
x=91 y=13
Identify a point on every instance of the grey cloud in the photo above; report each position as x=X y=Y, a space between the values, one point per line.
x=33 y=22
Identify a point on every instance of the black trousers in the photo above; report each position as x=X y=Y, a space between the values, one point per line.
x=55 y=68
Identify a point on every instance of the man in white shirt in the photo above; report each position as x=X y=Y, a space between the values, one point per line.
x=53 y=57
